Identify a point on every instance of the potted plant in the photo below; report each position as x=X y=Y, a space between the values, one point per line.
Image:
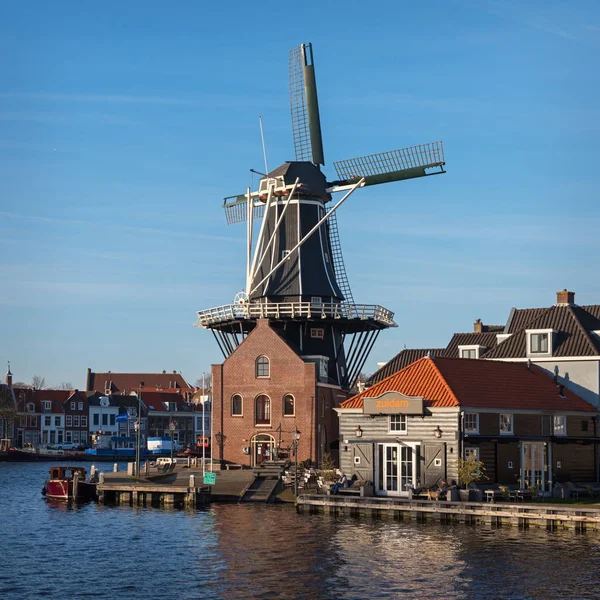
x=470 y=470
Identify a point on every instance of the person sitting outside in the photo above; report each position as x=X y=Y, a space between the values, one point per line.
x=341 y=482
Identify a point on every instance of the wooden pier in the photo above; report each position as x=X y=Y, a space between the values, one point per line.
x=523 y=515
x=118 y=488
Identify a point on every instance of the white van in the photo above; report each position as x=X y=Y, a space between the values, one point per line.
x=165 y=460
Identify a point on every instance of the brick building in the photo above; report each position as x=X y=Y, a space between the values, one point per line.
x=263 y=393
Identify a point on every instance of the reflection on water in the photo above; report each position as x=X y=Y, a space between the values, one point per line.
x=56 y=550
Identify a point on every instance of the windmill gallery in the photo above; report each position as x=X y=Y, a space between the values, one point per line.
x=295 y=342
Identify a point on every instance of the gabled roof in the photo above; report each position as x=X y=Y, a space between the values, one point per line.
x=573 y=325
x=402 y=359
x=487 y=339
x=127 y=382
x=156 y=401
x=472 y=383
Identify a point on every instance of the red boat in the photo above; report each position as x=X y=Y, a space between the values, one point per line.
x=69 y=483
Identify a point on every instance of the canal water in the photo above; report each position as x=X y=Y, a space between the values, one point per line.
x=53 y=550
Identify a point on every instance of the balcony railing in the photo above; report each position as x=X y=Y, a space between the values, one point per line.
x=295 y=310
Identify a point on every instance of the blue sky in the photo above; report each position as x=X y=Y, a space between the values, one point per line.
x=123 y=125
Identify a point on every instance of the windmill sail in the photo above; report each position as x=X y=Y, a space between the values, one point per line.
x=395 y=165
x=304 y=106
x=338 y=259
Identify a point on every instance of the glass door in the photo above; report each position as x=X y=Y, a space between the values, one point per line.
x=533 y=460
x=395 y=469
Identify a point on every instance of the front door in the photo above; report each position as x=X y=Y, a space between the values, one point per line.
x=262 y=449
x=396 y=469
x=533 y=465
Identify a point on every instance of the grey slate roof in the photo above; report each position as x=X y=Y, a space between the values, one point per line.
x=573 y=324
x=487 y=340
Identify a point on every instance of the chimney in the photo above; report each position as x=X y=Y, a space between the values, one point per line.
x=9 y=377
x=565 y=298
x=88 y=381
x=478 y=326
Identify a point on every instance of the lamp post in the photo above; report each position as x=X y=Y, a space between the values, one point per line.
x=138 y=431
x=296 y=441
x=172 y=430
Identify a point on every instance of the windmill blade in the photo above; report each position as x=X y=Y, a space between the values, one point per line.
x=395 y=165
x=304 y=106
x=236 y=209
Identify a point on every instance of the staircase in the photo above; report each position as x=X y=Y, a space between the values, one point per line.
x=266 y=480
x=338 y=259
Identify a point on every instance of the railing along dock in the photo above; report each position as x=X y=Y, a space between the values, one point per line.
x=550 y=516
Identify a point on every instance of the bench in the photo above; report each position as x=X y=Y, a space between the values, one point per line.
x=364 y=489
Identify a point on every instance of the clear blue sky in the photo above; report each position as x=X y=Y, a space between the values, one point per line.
x=124 y=124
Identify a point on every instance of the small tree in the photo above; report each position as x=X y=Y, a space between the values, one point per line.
x=470 y=469
x=65 y=385
x=38 y=382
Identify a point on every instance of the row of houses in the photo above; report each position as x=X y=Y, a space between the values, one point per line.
x=523 y=397
x=164 y=403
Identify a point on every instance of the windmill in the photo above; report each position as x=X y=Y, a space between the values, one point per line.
x=295 y=273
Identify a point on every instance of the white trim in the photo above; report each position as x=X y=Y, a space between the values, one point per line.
x=231 y=406
x=401 y=432
x=476 y=347
x=512 y=423
x=470 y=431
x=531 y=332
x=500 y=337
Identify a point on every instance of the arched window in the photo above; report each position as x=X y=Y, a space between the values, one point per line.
x=289 y=406
x=263 y=367
x=237 y=406
x=262 y=410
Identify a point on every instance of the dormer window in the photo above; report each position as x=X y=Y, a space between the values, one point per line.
x=31 y=407
x=470 y=351
x=47 y=404
x=539 y=342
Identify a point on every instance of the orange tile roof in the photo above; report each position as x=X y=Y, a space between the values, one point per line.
x=476 y=383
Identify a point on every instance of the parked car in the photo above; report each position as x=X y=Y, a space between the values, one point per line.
x=64 y=446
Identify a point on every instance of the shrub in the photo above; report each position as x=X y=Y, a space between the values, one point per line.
x=470 y=470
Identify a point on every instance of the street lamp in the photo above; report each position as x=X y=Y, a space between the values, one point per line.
x=296 y=441
x=172 y=430
x=138 y=431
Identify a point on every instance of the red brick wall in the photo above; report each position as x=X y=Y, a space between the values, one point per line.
x=289 y=374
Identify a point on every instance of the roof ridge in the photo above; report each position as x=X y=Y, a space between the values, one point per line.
x=583 y=330
x=446 y=384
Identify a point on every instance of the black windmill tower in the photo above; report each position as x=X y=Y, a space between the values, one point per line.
x=295 y=273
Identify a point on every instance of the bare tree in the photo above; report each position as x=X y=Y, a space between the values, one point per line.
x=65 y=385
x=8 y=410
x=22 y=385
x=38 y=382
x=207 y=383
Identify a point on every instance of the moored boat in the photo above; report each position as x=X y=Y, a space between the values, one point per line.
x=69 y=483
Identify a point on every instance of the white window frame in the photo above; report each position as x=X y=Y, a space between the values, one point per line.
x=476 y=429
x=80 y=406
x=47 y=420
x=76 y=421
x=68 y=421
x=241 y=414
x=550 y=335
x=559 y=425
x=316 y=300
x=317 y=333
x=72 y=405
x=285 y=254
x=473 y=348
x=472 y=451
x=403 y=425
x=47 y=404
x=511 y=423
x=84 y=421
x=57 y=422
x=268 y=375
x=293 y=405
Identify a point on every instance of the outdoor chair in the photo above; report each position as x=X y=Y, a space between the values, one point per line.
x=575 y=490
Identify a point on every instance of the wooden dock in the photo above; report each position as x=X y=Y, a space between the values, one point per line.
x=549 y=516
x=169 y=491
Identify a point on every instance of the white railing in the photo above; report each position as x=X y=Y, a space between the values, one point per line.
x=294 y=310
